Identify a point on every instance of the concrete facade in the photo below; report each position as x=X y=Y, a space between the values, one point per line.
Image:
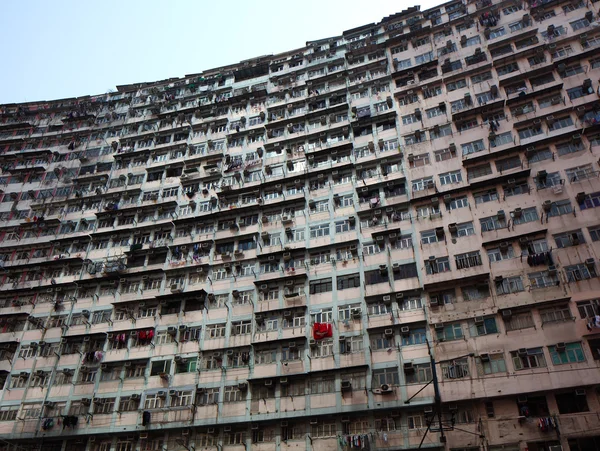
x=269 y=255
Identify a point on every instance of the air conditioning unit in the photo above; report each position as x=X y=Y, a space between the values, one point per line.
x=227 y=429
x=428 y=410
x=560 y=346
x=590 y=262
x=388 y=332
x=172 y=331
x=408 y=367
x=506 y=313
x=356 y=313
x=405 y=330
x=268 y=383
x=484 y=357
x=479 y=320
x=522 y=351
x=210 y=430
x=161 y=394
x=580 y=392
x=387 y=298
x=312 y=342
x=434 y=301
x=385 y=388
x=552 y=270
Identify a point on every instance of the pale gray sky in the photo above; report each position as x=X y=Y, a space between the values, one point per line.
x=58 y=49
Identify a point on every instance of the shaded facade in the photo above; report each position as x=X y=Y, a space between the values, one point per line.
x=268 y=255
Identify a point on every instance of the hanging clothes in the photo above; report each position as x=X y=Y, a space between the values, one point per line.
x=322 y=330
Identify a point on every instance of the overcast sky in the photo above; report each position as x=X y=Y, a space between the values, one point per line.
x=58 y=49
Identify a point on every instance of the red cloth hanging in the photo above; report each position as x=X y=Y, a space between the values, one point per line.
x=322 y=330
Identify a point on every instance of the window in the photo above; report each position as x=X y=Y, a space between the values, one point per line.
x=415 y=421
x=324 y=348
x=589 y=309
x=450 y=177
x=153 y=401
x=429 y=237
x=483 y=326
x=510 y=285
x=491 y=364
x=542 y=279
x=322 y=385
x=215 y=331
x=468 y=260
x=323 y=429
x=387 y=376
x=415 y=336
x=320 y=286
x=439 y=265
x=319 y=231
x=528 y=358
x=126 y=404
x=594 y=233
x=348 y=281
x=567 y=239
x=450 y=332
x=381 y=341
x=559 y=208
x=444 y=154
x=406 y=271
x=472 y=147
x=572 y=403
x=518 y=321
x=458 y=202
x=579 y=24
x=485 y=196
x=591 y=201
x=458 y=84
x=421 y=375
x=569 y=147
x=580 y=173
x=455 y=369
x=570 y=353
x=498 y=254
x=232 y=394
x=578 y=272
x=9 y=413
x=527 y=215
x=479 y=171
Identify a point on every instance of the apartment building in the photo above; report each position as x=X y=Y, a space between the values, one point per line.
x=386 y=239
